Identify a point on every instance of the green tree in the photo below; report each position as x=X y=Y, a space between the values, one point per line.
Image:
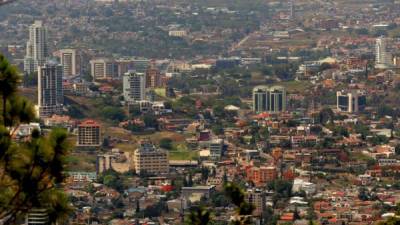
x=9 y=80
x=397 y=149
x=113 y=113
x=112 y=179
x=166 y=143
x=217 y=129
x=198 y=216
x=31 y=171
x=190 y=180
x=150 y=121
x=243 y=208
x=326 y=115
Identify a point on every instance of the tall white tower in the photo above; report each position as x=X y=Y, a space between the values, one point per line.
x=50 y=90
x=134 y=85
x=383 y=58
x=291 y=9
x=36 y=48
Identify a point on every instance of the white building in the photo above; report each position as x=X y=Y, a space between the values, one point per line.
x=177 y=33
x=69 y=61
x=50 y=90
x=134 y=86
x=103 y=69
x=301 y=185
x=383 y=58
x=36 y=47
x=216 y=146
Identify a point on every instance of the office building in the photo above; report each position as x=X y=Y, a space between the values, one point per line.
x=216 y=146
x=36 y=47
x=69 y=60
x=50 y=89
x=269 y=99
x=101 y=69
x=134 y=86
x=125 y=65
x=351 y=101
x=89 y=134
x=153 y=77
x=383 y=58
x=149 y=159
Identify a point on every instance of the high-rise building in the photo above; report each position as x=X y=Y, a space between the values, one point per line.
x=70 y=62
x=216 y=146
x=141 y=65
x=37 y=50
x=50 y=89
x=153 y=77
x=103 y=69
x=269 y=99
x=134 y=86
x=125 y=65
x=383 y=58
x=291 y=9
x=351 y=101
x=89 y=134
x=256 y=197
x=149 y=159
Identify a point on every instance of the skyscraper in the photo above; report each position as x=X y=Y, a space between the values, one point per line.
x=134 y=86
x=50 y=90
x=269 y=99
x=69 y=61
x=153 y=77
x=260 y=98
x=383 y=58
x=36 y=48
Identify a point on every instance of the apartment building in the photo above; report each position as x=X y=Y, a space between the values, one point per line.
x=149 y=159
x=89 y=134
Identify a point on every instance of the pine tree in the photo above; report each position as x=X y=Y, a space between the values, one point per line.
x=190 y=180
x=244 y=209
x=198 y=216
x=31 y=171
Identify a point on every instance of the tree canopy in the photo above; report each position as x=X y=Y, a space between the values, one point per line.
x=32 y=170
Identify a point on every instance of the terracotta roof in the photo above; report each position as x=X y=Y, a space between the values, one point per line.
x=89 y=123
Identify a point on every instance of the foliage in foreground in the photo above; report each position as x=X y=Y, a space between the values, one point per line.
x=202 y=216
x=31 y=170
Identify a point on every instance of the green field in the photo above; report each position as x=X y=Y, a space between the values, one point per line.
x=299 y=86
x=160 y=92
x=181 y=152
